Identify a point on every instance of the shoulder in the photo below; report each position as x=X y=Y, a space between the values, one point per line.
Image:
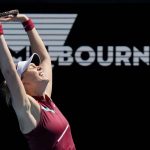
x=33 y=101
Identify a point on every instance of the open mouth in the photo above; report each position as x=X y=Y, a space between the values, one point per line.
x=41 y=74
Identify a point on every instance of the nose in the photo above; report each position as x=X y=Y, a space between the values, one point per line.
x=39 y=68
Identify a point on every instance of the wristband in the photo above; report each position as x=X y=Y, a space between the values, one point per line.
x=28 y=25
x=1 y=29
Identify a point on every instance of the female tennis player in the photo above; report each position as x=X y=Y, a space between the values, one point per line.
x=30 y=86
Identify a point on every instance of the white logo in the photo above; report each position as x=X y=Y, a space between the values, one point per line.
x=54 y=30
x=47 y=109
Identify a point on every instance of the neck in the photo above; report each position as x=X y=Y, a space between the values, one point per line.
x=36 y=92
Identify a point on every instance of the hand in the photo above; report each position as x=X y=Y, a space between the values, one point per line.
x=18 y=17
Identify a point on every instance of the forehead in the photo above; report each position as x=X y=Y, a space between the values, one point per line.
x=32 y=64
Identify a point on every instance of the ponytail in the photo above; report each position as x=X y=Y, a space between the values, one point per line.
x=5 y=93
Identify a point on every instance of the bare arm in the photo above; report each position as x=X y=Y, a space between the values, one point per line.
x=38 y=46
x=20 y=101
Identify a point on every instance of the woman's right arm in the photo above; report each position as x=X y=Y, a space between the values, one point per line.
x=20 y=100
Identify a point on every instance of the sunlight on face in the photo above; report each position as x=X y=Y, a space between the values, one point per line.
x=34 y=73
x=33 y=78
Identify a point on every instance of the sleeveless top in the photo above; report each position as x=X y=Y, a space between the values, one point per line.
x=52 y=131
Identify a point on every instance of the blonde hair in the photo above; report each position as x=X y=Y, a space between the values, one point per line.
x=4 y=90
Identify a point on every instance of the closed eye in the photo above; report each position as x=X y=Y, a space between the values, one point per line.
x=32 y=66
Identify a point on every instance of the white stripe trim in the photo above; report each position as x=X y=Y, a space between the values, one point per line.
x=52 y=15
x=26 y=43
x=41 y=31
x=41 y=26
x=44 y=37
x=47 y=20
x=63 y=133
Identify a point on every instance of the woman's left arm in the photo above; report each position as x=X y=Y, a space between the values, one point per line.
x=37 y=46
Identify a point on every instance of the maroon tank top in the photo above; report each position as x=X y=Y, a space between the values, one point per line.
x=53 y=131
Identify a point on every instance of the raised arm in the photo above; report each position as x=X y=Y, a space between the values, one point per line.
x=38 y=46
x=20 y=100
